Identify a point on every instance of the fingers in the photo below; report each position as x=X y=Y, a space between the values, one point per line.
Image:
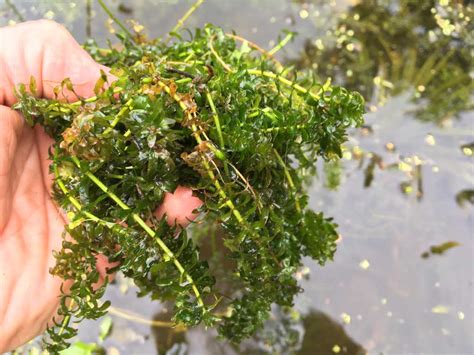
x=179 y=206
x=48 y=52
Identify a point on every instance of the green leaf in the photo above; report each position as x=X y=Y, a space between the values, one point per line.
x=105 y=328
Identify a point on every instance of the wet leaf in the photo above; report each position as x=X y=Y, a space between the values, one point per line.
x=238 y=134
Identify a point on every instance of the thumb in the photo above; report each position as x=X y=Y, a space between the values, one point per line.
x=48 y=52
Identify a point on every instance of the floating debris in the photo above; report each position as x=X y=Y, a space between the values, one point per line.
x=346 y=318
x=465 y=196
x=445 y=331
x=440 y=249
x=125 y=9
x=430 y=140
x=375 y=160
x=468 y=149
x=304 y=14
x=440 y=309
x=49 y=15
x=390 y=147
x=364 y=264
x=366 y=130
x=303 y=273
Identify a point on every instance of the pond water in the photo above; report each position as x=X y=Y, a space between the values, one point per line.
x=402 y=278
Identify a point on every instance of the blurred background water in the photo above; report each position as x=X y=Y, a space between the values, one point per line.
x=403 y=194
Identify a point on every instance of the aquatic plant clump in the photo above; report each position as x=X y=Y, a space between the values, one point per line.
x=213 y=114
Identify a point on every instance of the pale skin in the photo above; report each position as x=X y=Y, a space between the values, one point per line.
x=31 y=225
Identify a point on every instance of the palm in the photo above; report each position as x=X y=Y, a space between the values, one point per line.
x=30 y=228
x=31 y=225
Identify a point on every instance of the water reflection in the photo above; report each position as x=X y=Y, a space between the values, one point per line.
x=285 y=333
x=383 y=48
x=401 y=54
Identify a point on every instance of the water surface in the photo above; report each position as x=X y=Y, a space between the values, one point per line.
x=405 y=183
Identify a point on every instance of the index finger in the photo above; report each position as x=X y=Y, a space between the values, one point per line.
x=46 y=51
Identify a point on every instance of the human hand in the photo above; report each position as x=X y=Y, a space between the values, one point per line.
x=31 y=225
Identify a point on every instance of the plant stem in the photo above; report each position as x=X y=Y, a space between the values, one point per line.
x=289 y=178
x=89 y=18
x=216 y=118
x=186 y=16
x=271 y=75
x=217 y=122
x=138 y=319
x=115 y=19
x=199 y=140
x=210 y=173
x=219 y=59
x=116 y=120
x=287 y=82
x=66 y=319
x=281 y=44
x=256 y=47
x=74 y=201
x=15 y=10
x=285 y=128
x=145 y=227
x=117 y=90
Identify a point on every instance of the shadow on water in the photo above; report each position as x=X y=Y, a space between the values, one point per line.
x=402 y=195
x=316 y=333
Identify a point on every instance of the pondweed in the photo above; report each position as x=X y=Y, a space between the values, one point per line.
x=214 y=114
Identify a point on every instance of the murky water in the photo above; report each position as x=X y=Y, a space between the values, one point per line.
x=405 y=184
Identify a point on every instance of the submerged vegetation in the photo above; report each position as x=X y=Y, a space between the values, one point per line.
x=212 y=112
x=384 y=48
